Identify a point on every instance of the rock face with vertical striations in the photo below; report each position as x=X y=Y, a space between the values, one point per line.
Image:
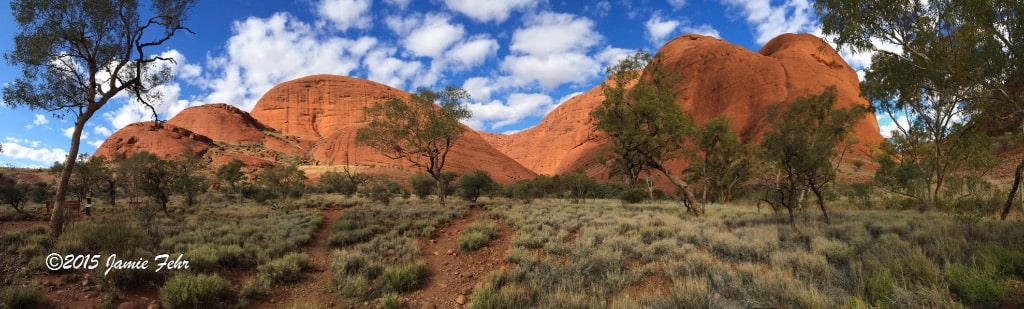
x=718 y=78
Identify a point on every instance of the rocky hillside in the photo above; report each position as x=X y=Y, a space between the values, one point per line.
x=313 y=119
x=718 y=78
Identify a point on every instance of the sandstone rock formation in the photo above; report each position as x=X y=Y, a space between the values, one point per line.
x=312 y=120
x=719 y=78
x=164 y=140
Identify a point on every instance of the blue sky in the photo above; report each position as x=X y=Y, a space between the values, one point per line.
x=518 y=58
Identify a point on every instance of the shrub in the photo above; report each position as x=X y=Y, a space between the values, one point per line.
x=471 y=186
x=391 y=301
x=335 y=182
x=633 y=196
x=285 y=269
x=422 y=185
x=195 y=291
x=20 y=296
x=404 y=278
x=379 y=192
x=477 y=235
x=976 y=287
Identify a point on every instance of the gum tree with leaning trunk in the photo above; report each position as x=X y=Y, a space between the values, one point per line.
x=76 y=56
x=645 y=125
x=420 y=131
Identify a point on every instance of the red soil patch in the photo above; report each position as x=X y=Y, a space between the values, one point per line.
x=456 y=274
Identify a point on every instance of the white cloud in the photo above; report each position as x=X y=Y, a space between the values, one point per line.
x=479 y=88
x=71 y=131
x=472 y=52
x=426 y=36
x=102 y=131
x=518 y=106
x=677 y=4
x=386 y=69
x=658 y=29
x=552 y=33
x=167 y=104
x=551 y=49
x=612 y=55
x=346 y=14
x=96 y=143
x=294 y=48
x=32 y=151
x=39 y=120
x=707 y=30
x=552 y=70
x=793 y=16
x=489 y=10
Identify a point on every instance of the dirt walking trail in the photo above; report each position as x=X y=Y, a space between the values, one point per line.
x=454 y=274
x=315 y=286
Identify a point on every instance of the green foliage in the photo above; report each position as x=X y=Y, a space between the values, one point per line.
x=633 y=196
x=474 y=184
x=40 y=192
x=579 y=186
x=805 y=143
x=20 y=296
x=404 y=278
x=75 y=58
x=16 y=195
x=379 y=192
x=477 y=235
x=945 y=87
x=722 y=163
x=187 y=290
x=645 y=125
x=285 y=181
x=112 y=236
x=231 y=174
x=146 y=174
x=422 y=185
x=336 y=182
x=189 y=179
x=975 y=286
x=285 y=269
x=417 y=130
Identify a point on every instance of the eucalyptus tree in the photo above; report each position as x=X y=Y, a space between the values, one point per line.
x=76 y=56
x=645 y=126
x=421 y=130
x=940 y=67
x=805 y=143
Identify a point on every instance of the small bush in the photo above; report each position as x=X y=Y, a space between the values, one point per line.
x=471 y=186
x=285 y=269
x=20 y=296
x=379 y=192
x=976 y=287
x=404 y=278
x=422 y=185
x=391 y=301
x=477 y=235
x=633 y=196
x=195 y=291
x=254 y=288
